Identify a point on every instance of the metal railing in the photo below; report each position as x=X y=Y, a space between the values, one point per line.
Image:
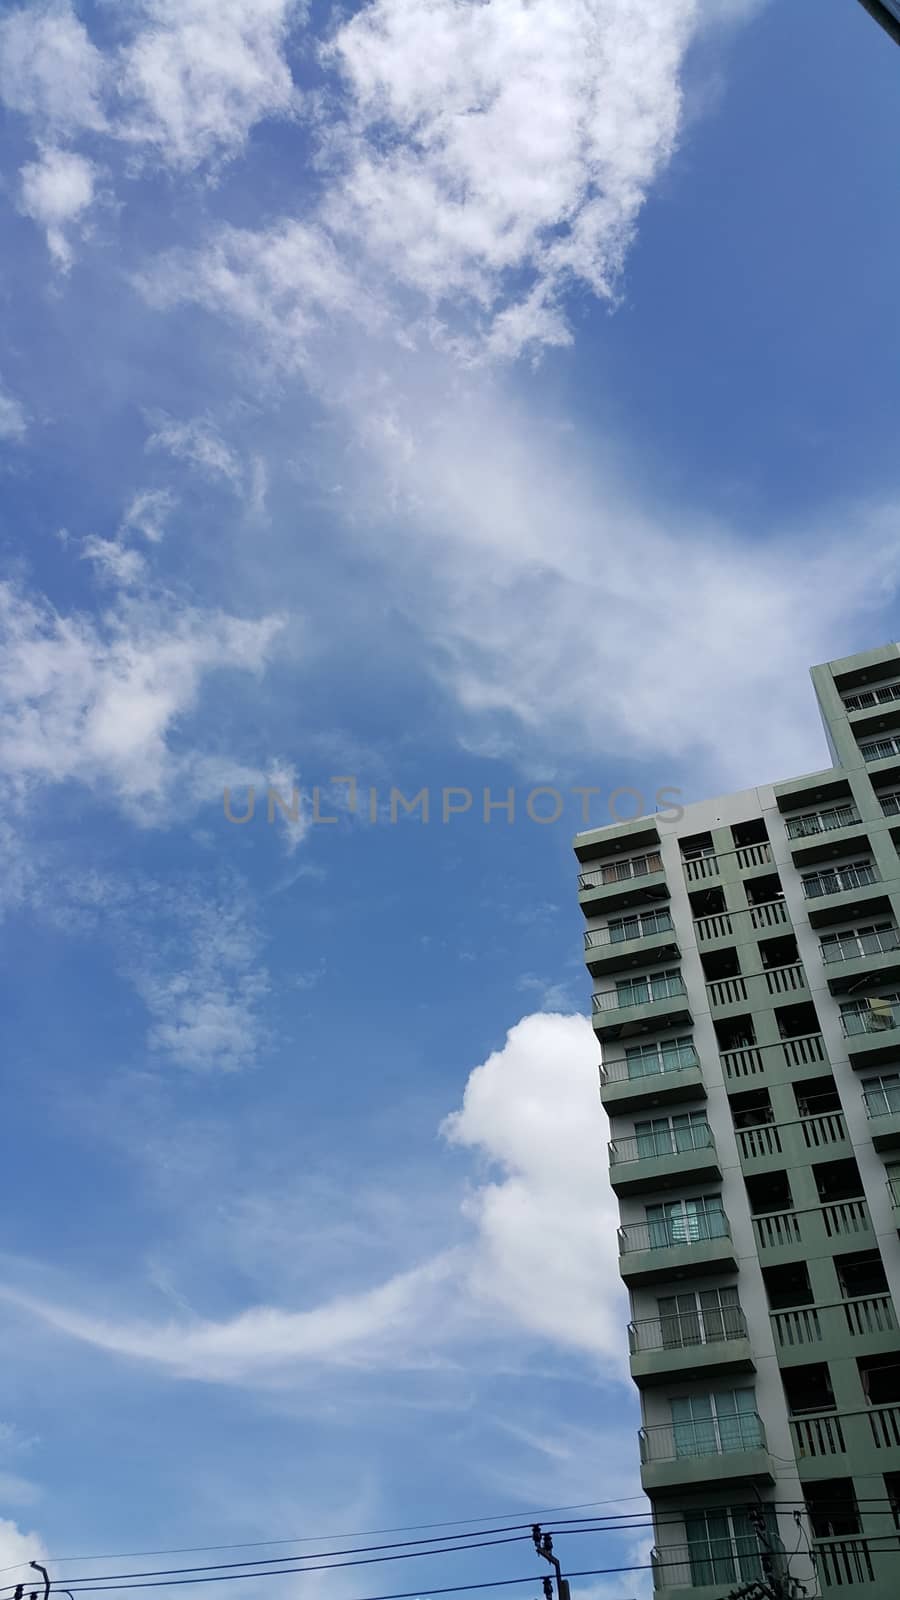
x=709 y=1436
x=851 y=946
x=872 y=1018
x=866 y=699
x=643 y=994
x=621 y=871
x=669 y=1233
x=720 y=1563
x=893 y=1188
x=879 y=749
x=814 y=822
x=881 y=1102
x=687 y=1329
x=642 y=927
x=890 y=803
x=625 y=1069
x=664 y=1142
x=838 y=880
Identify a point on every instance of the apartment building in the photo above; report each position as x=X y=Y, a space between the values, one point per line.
x=887 y=12
x=745 y=961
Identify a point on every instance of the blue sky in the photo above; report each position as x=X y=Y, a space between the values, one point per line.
x=445 y=396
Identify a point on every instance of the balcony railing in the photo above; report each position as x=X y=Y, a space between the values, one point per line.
x=851 y=946
x=842 y=1562
x=709 y=1436
x=809 y=1325
x=838 y=880
x=621 y=871
x=753 y=855
x=839 y=1219
x=642 y=927
x=664 y=1142
x=643 y=994
x=882 y=1102
x=873 y=1016
x=687 y=1330
x=669 y=1233
x=868 y=699
x=890 y=803
x=712 y=1563
x=745 y=1061
x=625 y=1069
x=821 y=822
x=879 y=749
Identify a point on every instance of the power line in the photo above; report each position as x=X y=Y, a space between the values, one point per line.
x=361 y=1533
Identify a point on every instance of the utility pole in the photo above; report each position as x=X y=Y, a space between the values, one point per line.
x=543 y=1544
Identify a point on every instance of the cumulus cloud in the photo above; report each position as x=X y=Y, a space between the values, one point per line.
x=55 y=191
x=97 y=700
x=540 y=1258
x=200 y=73
x=17 y=1549
x=49 y=69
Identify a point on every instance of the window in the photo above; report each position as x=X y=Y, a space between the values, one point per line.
x=700 y=844
x=833 y=880
x=751 y=1109
x=644 y=1059
x=752 y=832
x=656 y=986
x=723 y=1546
x=668 y=1136
x=872 y=939
x=704 y=1316
x=880 y=1378
x=833 y=1511
x=882 y=1093
x=861 y=1273
x=869 y=1013
x=768 y=1191
x=763 y=891
x=781 y=952
x=685 y=1221
x=838 y=1180
x=815 y=1096
x=788 y=1285
x=808 y=1389
x=712 y=1424
x=639 y=926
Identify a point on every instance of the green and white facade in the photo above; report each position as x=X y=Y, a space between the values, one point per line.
x=745 y=960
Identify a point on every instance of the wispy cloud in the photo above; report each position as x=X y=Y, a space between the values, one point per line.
x=13 y=421
x=198 y=442
x=56 y=191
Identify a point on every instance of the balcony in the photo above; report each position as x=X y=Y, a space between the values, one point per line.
x=695 y=1455
x=871 y=699
x=893 y=1189
x=707 y=1571
x=663 y=1159
x=804 y=1050
x=701 y=868
x=841 y=887
x=871 y=1027
x=812 y=823
x=638 y=1004
x=883 y=1111
x=875 y=750
x=890 y=803
x=824 y=1441
x=671 y=1073
x=621 y=883
x=851 y=956
x=665 y=1348
x=670 y=1248
x=783 y=1236
x=639 y=939
x=866 y=1324
x=772 y=1145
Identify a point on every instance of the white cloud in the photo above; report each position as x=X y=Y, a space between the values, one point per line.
x=541 y=1256
x=546 y=1229
x=199 y=443
x=200 y=73
x=49 y=69
x=13 y=422
x=56 y=190
x=112 y=560
x=98 y=701
x=17 y=1549
x=147 y=512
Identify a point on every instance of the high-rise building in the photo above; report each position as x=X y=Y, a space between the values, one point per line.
x=887 y=12
x=745 y=958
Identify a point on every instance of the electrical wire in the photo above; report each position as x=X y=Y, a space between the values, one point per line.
x=317 y=1538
